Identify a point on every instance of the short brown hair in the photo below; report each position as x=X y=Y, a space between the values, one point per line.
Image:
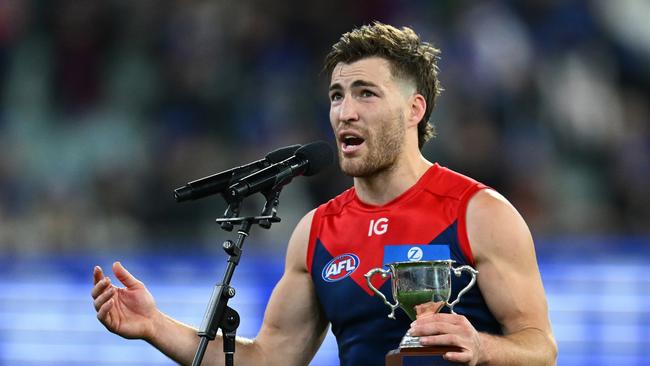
x=409 y=58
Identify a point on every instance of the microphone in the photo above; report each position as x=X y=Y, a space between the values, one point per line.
x=308 y=160
x=218 y=183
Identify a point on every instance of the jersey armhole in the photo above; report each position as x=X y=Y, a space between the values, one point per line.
x=463 y=239
x=313 y=235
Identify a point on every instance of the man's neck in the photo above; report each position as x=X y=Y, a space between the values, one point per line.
x=387 y=185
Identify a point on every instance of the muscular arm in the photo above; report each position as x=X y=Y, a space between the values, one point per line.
x=511 y=284
x=294 y=325
x=292 y=330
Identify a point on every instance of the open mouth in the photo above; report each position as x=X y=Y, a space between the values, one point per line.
x=351 y=143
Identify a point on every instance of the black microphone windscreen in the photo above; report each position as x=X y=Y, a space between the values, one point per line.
x=319 y=154
x=282 y=153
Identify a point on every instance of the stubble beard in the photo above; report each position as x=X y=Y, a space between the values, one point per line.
x=384 y=147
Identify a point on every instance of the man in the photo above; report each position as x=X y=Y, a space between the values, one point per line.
x=383 y=85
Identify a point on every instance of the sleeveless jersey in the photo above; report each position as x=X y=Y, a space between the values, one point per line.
x=347 y=239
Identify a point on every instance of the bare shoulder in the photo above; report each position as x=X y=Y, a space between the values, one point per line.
x=509 y=280
x=487 y=202
x=494 y=226
x=505 y=256
x=299 y=243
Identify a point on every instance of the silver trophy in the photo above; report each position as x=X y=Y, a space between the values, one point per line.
x=419 y=282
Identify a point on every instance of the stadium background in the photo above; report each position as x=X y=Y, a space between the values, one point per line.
x=106 y=106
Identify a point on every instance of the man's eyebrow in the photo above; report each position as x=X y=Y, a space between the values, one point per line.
x=362 y=83
x=335 y=86
x=355 y=84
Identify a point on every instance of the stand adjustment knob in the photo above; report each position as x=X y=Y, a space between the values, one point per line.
x=229 y=247
x=229 y=292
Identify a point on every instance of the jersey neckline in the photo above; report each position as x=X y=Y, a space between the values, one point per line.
x=404 y=197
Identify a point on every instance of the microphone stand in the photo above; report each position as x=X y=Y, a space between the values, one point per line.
x=218 y=314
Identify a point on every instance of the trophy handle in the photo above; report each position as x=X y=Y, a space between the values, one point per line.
x=384 y=274
x=458 y=271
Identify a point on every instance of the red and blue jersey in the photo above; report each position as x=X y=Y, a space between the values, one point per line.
x=348 y=238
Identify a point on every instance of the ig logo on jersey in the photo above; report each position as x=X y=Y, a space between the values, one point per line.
x=379 y=227
x=340 y=267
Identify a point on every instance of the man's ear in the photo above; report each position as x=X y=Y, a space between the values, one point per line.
x=417 y=108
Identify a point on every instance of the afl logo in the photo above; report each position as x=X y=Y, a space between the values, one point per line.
x=340 y=267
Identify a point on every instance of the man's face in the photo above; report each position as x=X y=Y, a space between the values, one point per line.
x=367 y=111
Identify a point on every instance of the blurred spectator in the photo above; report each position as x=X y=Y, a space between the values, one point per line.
x=107 y=106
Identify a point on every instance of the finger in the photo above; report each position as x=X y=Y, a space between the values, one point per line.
x=102 y=313
x=100 y=287
x=433 y=328
x=98 y=274
x=124 y=276
x=458 y=357
x=434 y=319
x=440 y=317
x=441 y=340
x=103 y=297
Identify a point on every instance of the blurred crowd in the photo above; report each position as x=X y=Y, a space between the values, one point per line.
x=106 y=106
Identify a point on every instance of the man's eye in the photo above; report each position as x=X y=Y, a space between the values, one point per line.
x=335 y=96
x=367 y=93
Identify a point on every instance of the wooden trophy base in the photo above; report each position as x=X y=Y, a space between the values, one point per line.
x=420 y=356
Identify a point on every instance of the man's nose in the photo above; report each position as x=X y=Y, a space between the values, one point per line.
x=348 y=110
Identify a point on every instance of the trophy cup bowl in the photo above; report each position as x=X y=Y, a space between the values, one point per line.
x=416 y=283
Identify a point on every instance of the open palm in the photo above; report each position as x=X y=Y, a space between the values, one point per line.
x=127 y=311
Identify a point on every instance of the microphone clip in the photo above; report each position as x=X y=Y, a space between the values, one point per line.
x=271 y=207
x=232 y=211
x=266 y=218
